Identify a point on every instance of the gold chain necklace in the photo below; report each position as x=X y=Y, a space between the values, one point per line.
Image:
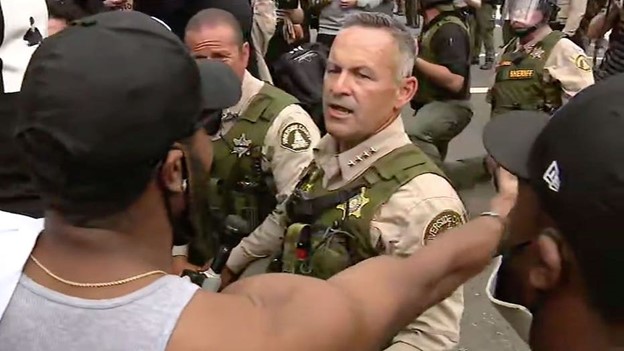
x=95 y=285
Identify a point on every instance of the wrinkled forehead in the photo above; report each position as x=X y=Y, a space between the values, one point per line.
x=217 y=34
x=373 y=48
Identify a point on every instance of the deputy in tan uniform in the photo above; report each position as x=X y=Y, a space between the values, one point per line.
x=367 y=181
x=540 y=69
x=569 y=18
x=265 y=140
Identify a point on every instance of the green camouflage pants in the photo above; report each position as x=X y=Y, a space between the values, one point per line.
x=433 y=127
x=508 y=33
x=485 y=31
x=471 y=22
x=411 y=13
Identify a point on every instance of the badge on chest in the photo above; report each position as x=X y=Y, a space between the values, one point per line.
x=242 y=146
x=354 y=206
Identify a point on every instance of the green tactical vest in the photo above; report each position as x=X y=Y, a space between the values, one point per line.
x=427 y=90
x=238 y=184
x=521 y=86
x=337 y=234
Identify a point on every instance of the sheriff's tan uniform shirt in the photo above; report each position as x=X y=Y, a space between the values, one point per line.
x=264 y=24
x=567 y=64
x=286 y=162
x=570 y=14
x=415 y=214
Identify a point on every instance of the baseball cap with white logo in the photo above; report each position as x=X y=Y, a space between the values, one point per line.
x=574 y=162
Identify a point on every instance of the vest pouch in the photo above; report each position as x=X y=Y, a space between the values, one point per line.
x=215 y=194
x=295 y=255
x=316 y=253
x=330 y=252
x=245 y=202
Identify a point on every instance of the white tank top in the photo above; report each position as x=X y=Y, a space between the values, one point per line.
x=40 y=319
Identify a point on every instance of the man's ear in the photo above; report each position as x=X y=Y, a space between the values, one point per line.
x=245 y=51
x=545 y=274
x=171 y=173
x=407 y=90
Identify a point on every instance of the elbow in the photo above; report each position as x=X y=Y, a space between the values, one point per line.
x=296 y=16
x=455 y=83
x=593 y=32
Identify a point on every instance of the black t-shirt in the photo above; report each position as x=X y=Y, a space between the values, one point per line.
x=451 y=46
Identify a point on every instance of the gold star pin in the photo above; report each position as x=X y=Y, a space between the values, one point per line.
x=307 y=187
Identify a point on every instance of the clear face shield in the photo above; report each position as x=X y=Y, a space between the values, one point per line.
x=526 y=14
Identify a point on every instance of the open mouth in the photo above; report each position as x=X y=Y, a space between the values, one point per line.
x=340 y=108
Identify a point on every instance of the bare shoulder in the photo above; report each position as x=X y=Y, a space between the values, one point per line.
x=215 y=321
x=267 y=312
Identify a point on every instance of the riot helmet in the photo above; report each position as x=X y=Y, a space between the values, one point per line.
x=527 y=15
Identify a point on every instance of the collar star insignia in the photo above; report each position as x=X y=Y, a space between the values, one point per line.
x=228 y=115
x=242 y=146
x=356 y=204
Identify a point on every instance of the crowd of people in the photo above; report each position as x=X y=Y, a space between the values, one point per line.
x=134 y=131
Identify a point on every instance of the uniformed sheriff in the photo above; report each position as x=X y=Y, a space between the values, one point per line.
x=265 y=141
x=540 y=69
x=442 y=103
x=569 y=19
x=369 y=191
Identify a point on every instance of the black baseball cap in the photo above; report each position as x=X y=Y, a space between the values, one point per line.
x=113 y=93
x=221 y=87
x=573 y=160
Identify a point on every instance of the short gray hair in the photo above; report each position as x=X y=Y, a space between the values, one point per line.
x=400 y=33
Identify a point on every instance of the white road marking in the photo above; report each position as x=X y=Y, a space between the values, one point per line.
x=478 y=90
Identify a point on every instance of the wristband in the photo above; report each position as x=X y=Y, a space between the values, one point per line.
x=493 y=215
x=497 y=216
x=181 y=250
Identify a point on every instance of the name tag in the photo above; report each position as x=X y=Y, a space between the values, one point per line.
x=520 y=73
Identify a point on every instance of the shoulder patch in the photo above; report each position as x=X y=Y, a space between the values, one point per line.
x=296 y=138
x=442 y=222
x=581 y=63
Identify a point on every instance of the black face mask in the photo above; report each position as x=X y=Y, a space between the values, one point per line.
x=521 y=33
x=195 y=222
